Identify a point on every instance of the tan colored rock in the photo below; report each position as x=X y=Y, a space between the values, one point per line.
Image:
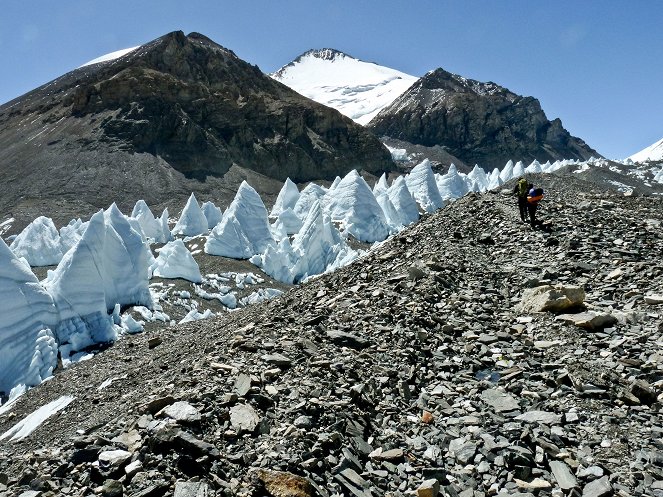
x=548 y=298
x=429 y=488
x=284 y=484
x=589 y=320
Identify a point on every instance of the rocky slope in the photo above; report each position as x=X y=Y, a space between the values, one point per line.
x=478 y=122
x=173 y=115
x=415 y=369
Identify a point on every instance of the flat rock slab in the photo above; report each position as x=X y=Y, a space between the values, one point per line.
x=588 y=320
x=277 y=360
x=387 y=455
x=182 y=412
x=544 y=417
x=347 y=339
x=243 y=417
x=354 y=483
x=499 y=401
x=191 y=489
x=597 y=488
x=113 y=458
x=242 y=384
x=654 y=299
x=563 y=475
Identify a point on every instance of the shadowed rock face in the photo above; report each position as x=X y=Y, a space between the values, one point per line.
x=178 y=110
x=477 y=122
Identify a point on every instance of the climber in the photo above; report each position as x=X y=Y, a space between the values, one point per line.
x=520 y=190
x=534 y=196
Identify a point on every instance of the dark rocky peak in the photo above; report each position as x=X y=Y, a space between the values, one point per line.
x=439 y=79
x=480 y=123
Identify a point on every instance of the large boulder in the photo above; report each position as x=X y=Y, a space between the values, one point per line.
x=551 y=298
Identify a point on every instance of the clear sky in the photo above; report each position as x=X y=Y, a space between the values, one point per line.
x=596 y=64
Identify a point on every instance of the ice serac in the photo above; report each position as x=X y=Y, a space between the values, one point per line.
x=71 y=233
x=533 y=168
x=108 y=266
x=355 y=88
x=308 y=196
x=288 y=223
x=319 y=245
x=353 y=204
x=192 y=221
x=390 y=213
x=422 y=186
x=517 y=171
x=286 y=199
x=166 y=235
x=494 y=180
x=28 y=348
x=78 y=286
x=381 y=185
x=403 y=202
x=149 y=224
x=452 y=185
x=476 y=122
x=316 y=248
x=175 y=261
x=507 y=171
x=479 y=176
x=244 y=229
x=39 y=243
x=212 y=213
x=126 y=262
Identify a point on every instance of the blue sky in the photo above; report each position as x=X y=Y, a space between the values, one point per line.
x=596 y=64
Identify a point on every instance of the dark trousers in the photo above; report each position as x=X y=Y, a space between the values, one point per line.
x=522 y=207
x=531 y=209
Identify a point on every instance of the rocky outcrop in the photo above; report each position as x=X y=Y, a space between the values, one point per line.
x=180 y=109
x=477 y=122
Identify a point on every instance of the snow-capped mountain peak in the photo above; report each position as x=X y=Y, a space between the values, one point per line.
x=653 y=152
x=355 y=88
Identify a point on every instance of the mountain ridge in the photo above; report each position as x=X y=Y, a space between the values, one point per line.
x=481 y=123
x=173 y=116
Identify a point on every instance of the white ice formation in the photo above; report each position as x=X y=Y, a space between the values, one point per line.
x=286 y=199
x=213 y=214
x=152 y=227
x=175 y=261
x=28 y=347
x=192 y=221
x=39 y=243
x=353 y=205
x=422 y=186
x=403 y=202
x=452 y=185
x=244 y=229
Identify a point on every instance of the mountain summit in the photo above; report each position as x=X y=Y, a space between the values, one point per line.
x=653 y=152
x=174 y=114
x=356 y=88
x=478 y=122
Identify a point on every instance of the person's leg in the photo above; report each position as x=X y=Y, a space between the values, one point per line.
x=532 y=214
x=522 y=206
